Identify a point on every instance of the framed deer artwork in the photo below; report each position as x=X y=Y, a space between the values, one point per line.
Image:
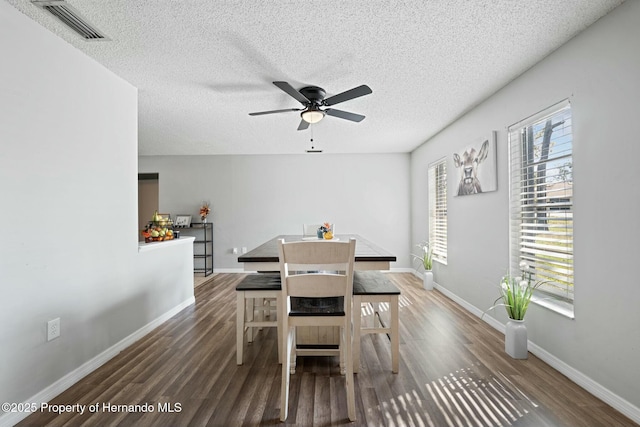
x=477 y=166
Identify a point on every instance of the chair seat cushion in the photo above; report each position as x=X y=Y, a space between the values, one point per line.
x=332 y=306
x=373 y=283
x=260 y=282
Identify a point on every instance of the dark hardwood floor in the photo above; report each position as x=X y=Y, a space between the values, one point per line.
x=453 y=372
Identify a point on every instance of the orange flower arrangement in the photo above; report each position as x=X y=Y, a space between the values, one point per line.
x=204 y=211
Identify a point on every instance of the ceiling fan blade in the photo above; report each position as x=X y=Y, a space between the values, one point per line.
x=287 y=88
x=260 y=113
x=344 y=115
x=356 y=92
x=303 y=125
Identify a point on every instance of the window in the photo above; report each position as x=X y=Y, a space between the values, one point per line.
x=438 y=210
x=541 y=201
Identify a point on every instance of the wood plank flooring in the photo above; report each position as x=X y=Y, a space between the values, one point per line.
x=453 y=372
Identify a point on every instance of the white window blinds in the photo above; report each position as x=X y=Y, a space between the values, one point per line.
x=438 y=209
x=541 y=198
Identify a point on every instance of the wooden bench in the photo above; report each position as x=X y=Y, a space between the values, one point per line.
x=255 y=293
x=373 y=287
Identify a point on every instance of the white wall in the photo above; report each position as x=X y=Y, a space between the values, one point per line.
x=255 y=198
x=68 y=192
x=599 y=71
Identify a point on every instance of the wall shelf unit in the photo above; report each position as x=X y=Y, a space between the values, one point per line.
x=202 y=246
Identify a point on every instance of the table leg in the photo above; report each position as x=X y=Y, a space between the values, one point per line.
x=395 y=334
x=240 y=308
x=357 y=324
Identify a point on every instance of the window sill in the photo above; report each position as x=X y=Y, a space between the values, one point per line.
x=561 y=307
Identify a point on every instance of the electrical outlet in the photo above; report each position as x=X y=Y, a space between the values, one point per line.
x=235 y=251
x=53 y=329
x=244 y=249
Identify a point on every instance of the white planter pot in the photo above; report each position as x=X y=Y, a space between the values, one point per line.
x=427 y=280
x=515 y=339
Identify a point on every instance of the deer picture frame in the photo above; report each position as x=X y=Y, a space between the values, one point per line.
x=477 y=165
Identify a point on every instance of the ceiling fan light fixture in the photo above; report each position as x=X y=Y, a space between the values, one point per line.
x=312 y=115
x=313 y=100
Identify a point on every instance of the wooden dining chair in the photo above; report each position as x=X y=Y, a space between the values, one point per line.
x=316 y=298
x=310 y=230
x=256 y=294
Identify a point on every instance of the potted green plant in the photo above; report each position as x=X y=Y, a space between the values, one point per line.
x=426 y=260
x=515 y=296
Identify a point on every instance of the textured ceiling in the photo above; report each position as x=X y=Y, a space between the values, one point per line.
x=201 y=66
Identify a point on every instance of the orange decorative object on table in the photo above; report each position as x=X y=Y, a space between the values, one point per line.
x=327 y=230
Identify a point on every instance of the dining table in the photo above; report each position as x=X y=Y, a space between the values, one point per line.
x=369 y=256
x=317 y=340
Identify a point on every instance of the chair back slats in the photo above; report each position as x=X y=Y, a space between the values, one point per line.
x=316 y=252
x=317 y=285
x=292 y=268
x=326 y=266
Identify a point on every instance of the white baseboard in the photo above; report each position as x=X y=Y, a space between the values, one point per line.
x=11 y=418
x=469 y=307
x=602 y=393
x=596 y=389
x=230 y=270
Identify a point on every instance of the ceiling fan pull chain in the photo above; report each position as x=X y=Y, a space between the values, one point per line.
x=311 y=136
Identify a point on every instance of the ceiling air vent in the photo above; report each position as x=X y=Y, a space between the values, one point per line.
x=72 y=18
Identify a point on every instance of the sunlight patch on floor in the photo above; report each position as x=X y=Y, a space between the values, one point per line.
x=461 y=398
